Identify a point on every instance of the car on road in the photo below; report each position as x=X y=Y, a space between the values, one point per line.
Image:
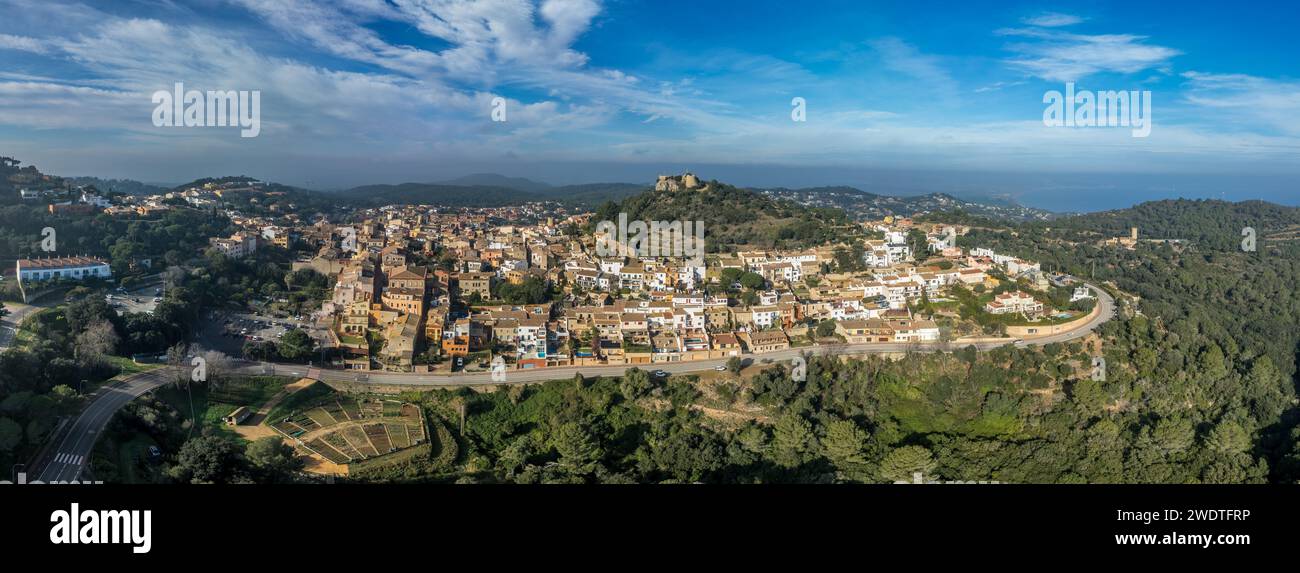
x=157 y=299
x=720 y=368
x=660 y=374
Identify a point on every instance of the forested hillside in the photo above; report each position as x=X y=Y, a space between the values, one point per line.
x=1198 y=387
x=736 y=218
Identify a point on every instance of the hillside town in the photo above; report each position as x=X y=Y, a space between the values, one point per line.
x=390 y=312
x=429 y=289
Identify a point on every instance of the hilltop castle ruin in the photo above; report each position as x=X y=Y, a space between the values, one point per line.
x=674 y=183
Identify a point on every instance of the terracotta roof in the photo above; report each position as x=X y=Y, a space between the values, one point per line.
x=60 y=262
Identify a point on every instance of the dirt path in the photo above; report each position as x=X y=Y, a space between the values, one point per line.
x=253 y=428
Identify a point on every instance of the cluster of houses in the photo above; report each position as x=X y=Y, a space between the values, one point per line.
x=415 y=285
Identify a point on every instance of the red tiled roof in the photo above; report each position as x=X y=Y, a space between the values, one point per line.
x=60 y=262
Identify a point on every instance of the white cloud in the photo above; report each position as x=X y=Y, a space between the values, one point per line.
x=22 y=44
x=905 y=58
x=1268 y=104
x=1052 y=20
x=1062 y=56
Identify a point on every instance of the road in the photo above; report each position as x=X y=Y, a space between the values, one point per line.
x=9 y=324
x=66 y=462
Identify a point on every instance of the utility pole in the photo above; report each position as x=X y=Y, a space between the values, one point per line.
x=462 y=417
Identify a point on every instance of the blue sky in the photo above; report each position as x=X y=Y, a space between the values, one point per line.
x=363 y=91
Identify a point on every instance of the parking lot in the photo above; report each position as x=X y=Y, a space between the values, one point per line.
x=257 y=328
x=143 y=299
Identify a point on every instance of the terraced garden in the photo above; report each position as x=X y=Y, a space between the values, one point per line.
x=344 y=429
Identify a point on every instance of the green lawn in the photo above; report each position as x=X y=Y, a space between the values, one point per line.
x=210 y=405
x=298 y=399
x=128 y=367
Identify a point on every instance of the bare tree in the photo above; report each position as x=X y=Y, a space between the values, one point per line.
x=219 y=366
x=98 y=340
x=176 y=356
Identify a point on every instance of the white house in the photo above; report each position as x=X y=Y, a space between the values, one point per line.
x=1081 y=293
x=74 y=268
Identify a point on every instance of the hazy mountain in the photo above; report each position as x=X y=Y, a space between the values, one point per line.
x=496 y=180
x=127 y=186
x=439 y=194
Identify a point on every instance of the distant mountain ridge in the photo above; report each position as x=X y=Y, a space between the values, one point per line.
x=498 y=180
x=126 y=186
x=586 y=195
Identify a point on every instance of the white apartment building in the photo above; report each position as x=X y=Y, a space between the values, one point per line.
x=74 y=268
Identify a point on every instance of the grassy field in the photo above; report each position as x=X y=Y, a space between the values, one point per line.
x=128 y=367
x=210 y=405
x=298 y=399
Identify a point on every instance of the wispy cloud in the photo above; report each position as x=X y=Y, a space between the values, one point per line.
x=1269 y=104
x=905 y=58
x=388 y=80
x=21 y=43
x=1052 y=20
x=1062 y=56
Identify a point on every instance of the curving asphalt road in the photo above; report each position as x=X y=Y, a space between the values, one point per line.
x=68 y=460
x=65 y=462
